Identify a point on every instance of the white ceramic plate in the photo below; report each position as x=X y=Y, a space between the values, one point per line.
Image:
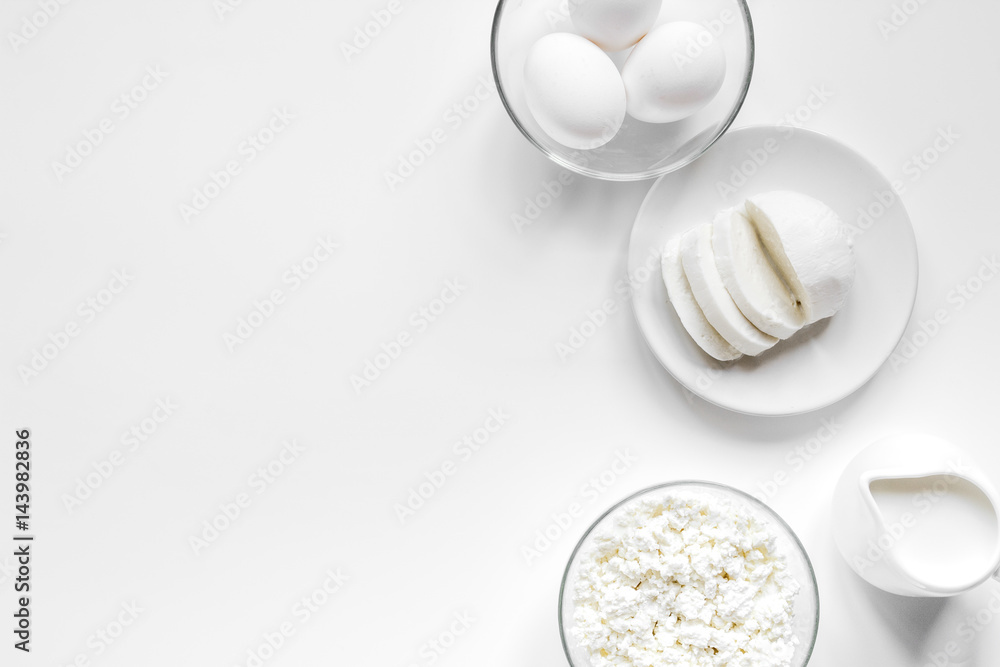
x=826 y=361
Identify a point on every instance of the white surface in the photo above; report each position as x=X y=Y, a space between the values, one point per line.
x=824 y=362
x=493 y=347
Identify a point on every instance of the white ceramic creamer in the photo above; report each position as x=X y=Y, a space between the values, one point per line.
x=914 y=515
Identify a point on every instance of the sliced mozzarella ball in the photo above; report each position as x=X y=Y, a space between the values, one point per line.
x=810 y=246
x=614 y=25
x=750 y=278
x=673 y=72
x=687 y=308
x=574 y=91
x=710 y=293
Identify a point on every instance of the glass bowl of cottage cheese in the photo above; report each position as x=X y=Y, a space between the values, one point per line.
x=689 y=573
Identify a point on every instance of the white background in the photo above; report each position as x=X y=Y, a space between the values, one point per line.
x=493 y=348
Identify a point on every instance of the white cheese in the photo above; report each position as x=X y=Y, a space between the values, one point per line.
x=809 y=245
x=710 y=292
x=688 y=310
x=750 y=278
x=685 y=580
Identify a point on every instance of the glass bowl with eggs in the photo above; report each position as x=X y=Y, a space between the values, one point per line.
x=689 y=573
x=622 y=90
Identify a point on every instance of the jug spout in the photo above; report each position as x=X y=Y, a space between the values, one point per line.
x=942 y=530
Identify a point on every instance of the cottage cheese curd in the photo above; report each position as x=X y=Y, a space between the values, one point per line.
x=685 y=579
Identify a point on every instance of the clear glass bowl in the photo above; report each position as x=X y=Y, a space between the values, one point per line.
x=639 y=150
x=806 y=606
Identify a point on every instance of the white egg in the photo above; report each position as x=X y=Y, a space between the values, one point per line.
x=673 y=72
x=614 y=25
x=574 y=91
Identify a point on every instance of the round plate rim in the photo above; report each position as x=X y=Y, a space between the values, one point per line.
x=748 y=129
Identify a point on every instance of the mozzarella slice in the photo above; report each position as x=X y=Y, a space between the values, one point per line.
x=687 y=308
x=750 y=278
x=710 y=293
x=810 y=247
